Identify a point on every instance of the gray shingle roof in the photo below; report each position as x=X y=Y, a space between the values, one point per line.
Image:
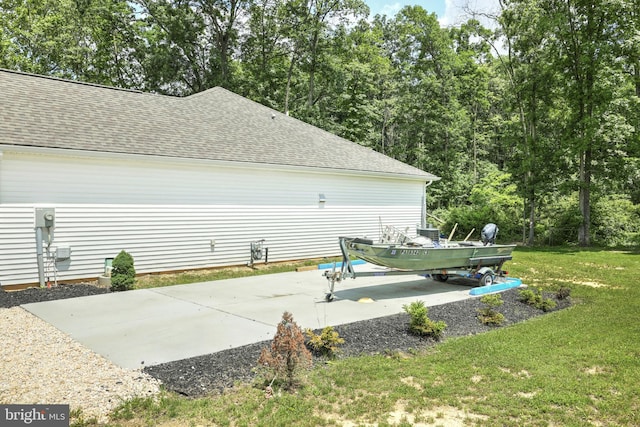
x=216 y=124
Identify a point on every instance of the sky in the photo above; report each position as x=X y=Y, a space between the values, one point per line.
x=449 y=12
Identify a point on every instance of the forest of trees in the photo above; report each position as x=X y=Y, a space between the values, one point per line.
x=533 y=124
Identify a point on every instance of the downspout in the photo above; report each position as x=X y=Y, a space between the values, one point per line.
x=39 y=255
x=44 y=218
x=423 y=217
x=0 y=194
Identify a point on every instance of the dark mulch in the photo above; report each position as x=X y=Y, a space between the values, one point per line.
x=202 y=375
x=15 y=298
x=212 y=373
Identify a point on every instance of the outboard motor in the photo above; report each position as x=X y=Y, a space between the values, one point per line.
x=489 y=233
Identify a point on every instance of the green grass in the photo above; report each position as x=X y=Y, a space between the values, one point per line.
x=575 y=367
x=195 y=276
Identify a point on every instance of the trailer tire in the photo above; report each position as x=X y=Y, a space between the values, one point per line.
x=486 y=279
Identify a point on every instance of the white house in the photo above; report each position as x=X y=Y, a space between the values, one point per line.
x=180 y=183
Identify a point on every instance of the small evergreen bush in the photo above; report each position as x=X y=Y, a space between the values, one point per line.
x=327 y=343
x=287 y=355
x=420 y=324
x=535 y=299
x=488 y=315
x=123 y=273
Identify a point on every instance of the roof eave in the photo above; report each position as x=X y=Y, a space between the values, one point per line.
x=426 y=177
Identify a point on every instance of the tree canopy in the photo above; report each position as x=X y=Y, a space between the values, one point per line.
x=548 y=100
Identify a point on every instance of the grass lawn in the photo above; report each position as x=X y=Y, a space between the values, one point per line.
x=575 y=367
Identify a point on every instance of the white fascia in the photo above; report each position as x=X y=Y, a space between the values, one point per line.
x=63 y=152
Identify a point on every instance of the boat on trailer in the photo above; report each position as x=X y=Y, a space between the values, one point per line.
x=425 y=254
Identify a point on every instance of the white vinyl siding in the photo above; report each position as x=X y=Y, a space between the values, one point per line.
x=166 y=215
x=25 y=178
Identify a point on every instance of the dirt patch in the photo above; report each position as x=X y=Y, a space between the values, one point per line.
x=595 y=370
x=593 y=284
x=444 y=416
x=529 y=395
x=411 y=382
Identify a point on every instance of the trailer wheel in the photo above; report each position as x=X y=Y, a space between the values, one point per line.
x=328 y=297
x=486 y=279
x=441 y=277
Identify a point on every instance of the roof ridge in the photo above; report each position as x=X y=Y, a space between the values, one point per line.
x=197 y=94
x=78 y=82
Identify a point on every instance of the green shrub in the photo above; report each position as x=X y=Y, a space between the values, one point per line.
x=615 y=221
x=287 y=355
x=547 y=304
x=559 y=221
x=488 y=315
x=535 y=299
x=563 y=293
x=493 y=199
x=123 y=273
x=327 y=343
x=420 y=324
x=528 y=296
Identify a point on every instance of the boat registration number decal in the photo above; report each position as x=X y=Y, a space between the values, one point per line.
x=413 y=252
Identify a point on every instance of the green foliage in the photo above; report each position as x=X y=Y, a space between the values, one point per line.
x=488 y=315
x=492 y=300
x=123 y=274
x=493 y=199
x=616 y=221
x=287 y=356
x=85 y=40
x=326 y=343
x=529 y=296
x=420 y=324
x=560 y=221
x=536 y=299
x=502 y=135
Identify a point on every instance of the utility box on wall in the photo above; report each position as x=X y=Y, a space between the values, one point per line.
x=45 y=217
x=63 y=253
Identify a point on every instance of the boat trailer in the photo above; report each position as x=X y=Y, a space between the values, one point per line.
x=487 y=270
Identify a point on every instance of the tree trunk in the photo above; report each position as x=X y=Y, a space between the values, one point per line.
x=585 y=198
x=532 y=218
x=287 y=92
x=637 y=77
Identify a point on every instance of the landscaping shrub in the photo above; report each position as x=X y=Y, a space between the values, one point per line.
x=488 y=315
x=287 y=355
x=535 y=298
x=123 y=273
x=563 y=293
x=420 y=324
x=326 y=343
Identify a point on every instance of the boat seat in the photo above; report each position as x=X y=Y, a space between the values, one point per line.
x=361 y=240
x=470 y=243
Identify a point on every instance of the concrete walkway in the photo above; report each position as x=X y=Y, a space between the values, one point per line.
x=152 y=326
